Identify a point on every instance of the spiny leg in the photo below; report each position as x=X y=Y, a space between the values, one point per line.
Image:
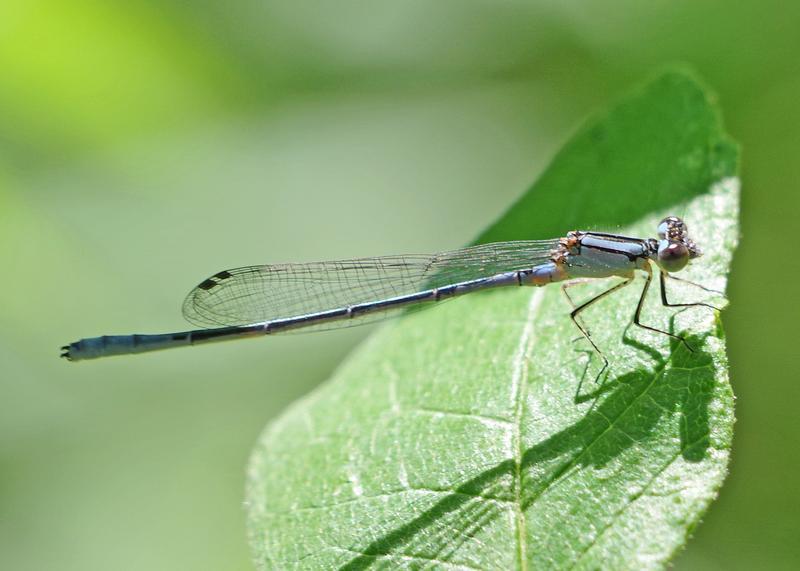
x=662 y=279
x=636 y=316
x=574 y=314
x=572 y=283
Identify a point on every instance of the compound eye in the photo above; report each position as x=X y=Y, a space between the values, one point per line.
x=672 y=256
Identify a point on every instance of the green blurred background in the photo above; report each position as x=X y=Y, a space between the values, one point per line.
x=144 y=145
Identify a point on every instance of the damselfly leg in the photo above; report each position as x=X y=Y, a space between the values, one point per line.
x=572 y=283
x=584 y=330
x=663 y=280
x=576 y=312
x=636 y=316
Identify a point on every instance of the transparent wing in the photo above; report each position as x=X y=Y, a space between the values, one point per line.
x=255 y=294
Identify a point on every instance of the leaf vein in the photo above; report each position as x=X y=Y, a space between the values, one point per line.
x=390 y=494
x=409 y=558
x=598 y=437
x=632 y=501
x=519 y=381
x=482 y=418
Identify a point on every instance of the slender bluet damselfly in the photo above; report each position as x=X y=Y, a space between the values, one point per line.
x=270 y=299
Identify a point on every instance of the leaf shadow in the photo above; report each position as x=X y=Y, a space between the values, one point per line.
x=635 y=404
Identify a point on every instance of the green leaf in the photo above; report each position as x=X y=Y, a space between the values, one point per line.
x=454 y=438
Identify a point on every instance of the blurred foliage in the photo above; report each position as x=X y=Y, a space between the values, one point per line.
x=146 y=144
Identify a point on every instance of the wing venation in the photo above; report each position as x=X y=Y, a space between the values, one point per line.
x=254 y=294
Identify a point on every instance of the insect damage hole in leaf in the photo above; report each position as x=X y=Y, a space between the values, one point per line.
x=451 y=438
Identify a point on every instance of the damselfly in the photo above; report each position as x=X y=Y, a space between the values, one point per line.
x=265 y=300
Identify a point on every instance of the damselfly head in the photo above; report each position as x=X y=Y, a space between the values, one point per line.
x=675 y=248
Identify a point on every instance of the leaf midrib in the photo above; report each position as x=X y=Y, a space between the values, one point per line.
x=519 y=376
